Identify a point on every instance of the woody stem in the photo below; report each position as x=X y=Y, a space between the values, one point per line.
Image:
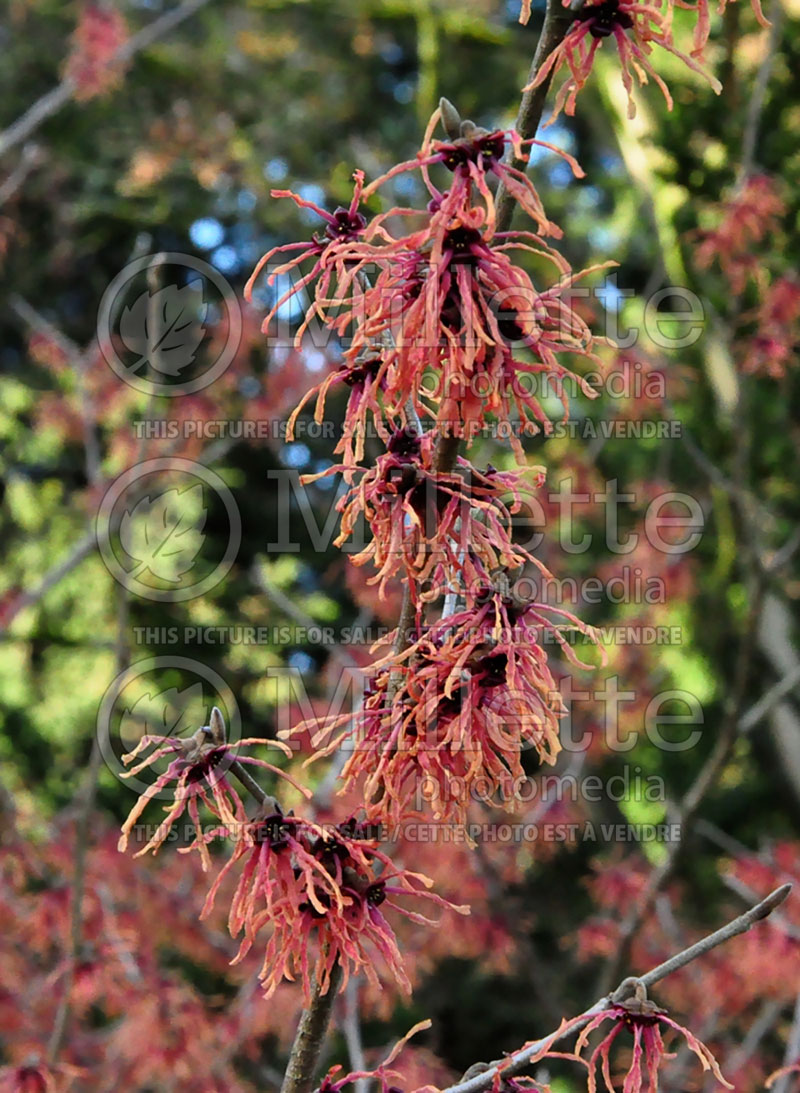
x=557 y=21
x=302 y=1065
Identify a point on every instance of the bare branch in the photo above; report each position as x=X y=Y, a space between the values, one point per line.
x=86 y=801
x=351 y=1027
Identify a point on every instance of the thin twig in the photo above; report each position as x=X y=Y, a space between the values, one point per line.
x=694 y=797
x=792 y=1053
x=518 y=1061
x=79 y=359
x=31 y=158
x=351 y=1027
x=767 y=702
x=81 y=550
x=758 y=96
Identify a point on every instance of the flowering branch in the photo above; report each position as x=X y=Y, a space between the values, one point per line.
x=518 y=1061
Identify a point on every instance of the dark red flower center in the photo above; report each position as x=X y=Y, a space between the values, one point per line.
x=273 y=831
x=484 y=150
x=345 y=226
x=604 y=18
x=376 y=893
x=203 y=767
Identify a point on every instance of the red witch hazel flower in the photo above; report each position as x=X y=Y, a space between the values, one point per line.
x=199 y=774
x=643 y=1018
x=363 y=375
x=472 y=153
x=430 y=523
x=450 y=719
x=458 y=322
x=636 y=26
x=325 y=885
x=342 y=226
x=773 y=347
x=749 y=218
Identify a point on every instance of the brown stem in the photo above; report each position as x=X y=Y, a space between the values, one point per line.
x=557 y=21
x=302 y=1066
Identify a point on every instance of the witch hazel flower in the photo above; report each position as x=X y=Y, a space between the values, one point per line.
x=94 y=65
x=428 y=524
x=749 y=217
x=323 y=890
x=773 y=347
x=363 y=375
x=636 y=26
x=644 y=1020
x=343 y=226
x=447 y=722
x=473 y=154
x=703 y=25
x=468 y=338
x=198 y=773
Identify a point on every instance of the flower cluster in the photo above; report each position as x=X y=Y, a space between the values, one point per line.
x=447 y=723
x=429 y=524
x=437 y=344
x=323 y=889
x=773 y=347
x=637 y=26
x=197 y=773
x=450 y=326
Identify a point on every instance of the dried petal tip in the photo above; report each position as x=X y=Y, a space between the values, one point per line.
x=451 y=119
